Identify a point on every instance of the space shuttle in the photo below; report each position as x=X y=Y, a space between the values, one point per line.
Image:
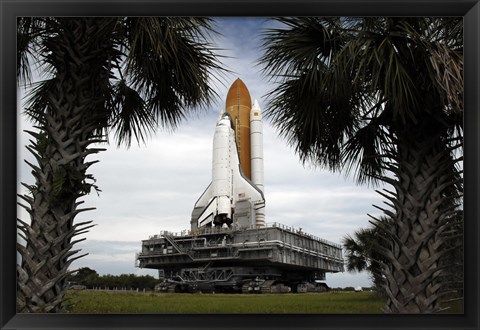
x=235 y=195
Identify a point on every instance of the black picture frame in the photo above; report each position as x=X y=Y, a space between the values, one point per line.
x=10 y=9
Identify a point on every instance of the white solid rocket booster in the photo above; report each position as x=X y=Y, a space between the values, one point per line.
x=256 y=142
x=256 y=149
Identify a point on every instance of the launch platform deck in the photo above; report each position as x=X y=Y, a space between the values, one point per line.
x=217 y=253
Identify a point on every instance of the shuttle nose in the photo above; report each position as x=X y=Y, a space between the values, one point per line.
x=224 y=120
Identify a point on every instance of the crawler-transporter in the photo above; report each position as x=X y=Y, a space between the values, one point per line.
x=272 y=259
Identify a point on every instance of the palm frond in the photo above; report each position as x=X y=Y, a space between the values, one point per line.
x=32 y=51
x=305 y=45
x=373 y=74
x=38 y=100
x=170 y=63
x=130 y=116
x=313 y=103
x=30 y=32
x=315 y=123
x=24 y=52
x=364 y=152
x=356 y=252
x=447 y=67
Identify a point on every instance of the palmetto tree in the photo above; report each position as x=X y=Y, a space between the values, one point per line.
x=124 y=75
x=361 y=254
x=381 y=97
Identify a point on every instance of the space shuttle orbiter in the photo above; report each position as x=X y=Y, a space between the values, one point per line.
x=235 y=195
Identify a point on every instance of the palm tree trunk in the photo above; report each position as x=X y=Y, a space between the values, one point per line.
x=422 y=206
x=66 y=131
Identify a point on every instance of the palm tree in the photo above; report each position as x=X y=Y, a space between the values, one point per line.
x=124 y=75
x=380 y=97
x=361 y=253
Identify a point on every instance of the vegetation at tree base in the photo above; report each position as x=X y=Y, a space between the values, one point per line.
x=122 y=75
x=362 y=255
x=382 y=97
x=92 y=280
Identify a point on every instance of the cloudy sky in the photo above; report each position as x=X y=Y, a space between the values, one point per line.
x=153 y=187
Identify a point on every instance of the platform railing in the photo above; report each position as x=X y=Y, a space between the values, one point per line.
x=215 y=230
x=301 y=232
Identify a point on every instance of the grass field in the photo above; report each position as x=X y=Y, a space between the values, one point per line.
x=133 y=302
x=105 y=302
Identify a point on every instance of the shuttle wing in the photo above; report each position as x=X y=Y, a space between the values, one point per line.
x=244 y=188
x=208 y=213
x=205 y=197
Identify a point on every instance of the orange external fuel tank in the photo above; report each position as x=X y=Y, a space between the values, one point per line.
x=238 y=106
